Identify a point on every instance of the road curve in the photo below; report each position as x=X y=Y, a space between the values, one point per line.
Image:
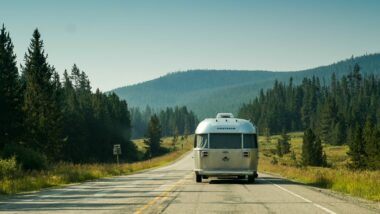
x=172 y=189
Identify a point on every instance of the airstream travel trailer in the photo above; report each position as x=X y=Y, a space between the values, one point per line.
x=225 y=146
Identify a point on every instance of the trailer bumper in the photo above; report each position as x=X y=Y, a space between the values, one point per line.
x=225 y=172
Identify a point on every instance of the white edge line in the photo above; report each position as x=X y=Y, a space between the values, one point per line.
x=305 y=199
x=324 y=208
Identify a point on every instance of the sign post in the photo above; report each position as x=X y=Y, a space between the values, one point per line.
x=117 y=152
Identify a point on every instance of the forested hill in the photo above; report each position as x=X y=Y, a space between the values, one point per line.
x=207 y=92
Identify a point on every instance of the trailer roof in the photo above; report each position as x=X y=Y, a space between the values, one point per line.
x=225 y=125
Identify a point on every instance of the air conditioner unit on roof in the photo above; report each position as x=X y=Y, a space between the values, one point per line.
x=224 y=115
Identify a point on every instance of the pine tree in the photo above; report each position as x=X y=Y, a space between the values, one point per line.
x=307 y=147
x=357 y=147
x=74 y=126
x=372 y=149
x=312 y=151
x=84 y=82
x=327 y=120
x=354 y=79
x=76 y=76
x=153 y=136
x=283 y=145
x=319 y=157
x=279 y=148
x=310 y=101
x=334 y=85
x=372 y=145
x=338 y=134
x=42 y=112
x=10 y=92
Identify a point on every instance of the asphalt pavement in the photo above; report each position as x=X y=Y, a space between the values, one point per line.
x=172 y=189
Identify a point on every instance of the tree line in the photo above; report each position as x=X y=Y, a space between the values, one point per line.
x=173 y=121
x=53 y=118
x=345 y=111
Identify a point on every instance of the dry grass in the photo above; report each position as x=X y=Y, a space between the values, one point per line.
x=66 y=173
x=338 y=177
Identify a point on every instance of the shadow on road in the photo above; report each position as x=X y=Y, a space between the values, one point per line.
x=258 y=181
x=228 y=181
x=66 y=206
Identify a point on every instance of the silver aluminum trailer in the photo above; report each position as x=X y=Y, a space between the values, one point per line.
x=225 y=146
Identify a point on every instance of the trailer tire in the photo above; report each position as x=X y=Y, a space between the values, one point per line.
x=198 y=178
x=251 y=179
x=255 y=174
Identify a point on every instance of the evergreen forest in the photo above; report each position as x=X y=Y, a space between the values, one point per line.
x=346 y=111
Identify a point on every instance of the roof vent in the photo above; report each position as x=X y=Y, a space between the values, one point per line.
x=224 y=115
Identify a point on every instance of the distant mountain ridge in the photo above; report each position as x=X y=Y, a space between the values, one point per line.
x=207 y=92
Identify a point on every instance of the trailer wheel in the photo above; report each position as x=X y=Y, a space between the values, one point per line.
x=251 y=179
x=198 y=178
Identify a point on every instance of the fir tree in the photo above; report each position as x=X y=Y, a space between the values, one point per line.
x=338 y=134
x=312 y=151
x=74 y=126
x=153 y=136
x=279 y=148
x=307 y=147
x=42 y=113
x=372 y=145
x=327 y=120
x=10 y=92
x=283 y=145
x=357 y=147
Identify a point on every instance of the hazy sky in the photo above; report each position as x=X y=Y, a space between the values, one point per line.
x=124 y=42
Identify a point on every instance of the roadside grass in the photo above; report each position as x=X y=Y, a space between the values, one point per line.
x=338 y=177
x=67 y=173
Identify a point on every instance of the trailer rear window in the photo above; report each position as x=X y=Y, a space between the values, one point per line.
x=201 y=141
x=225 y=141
x=250 y=141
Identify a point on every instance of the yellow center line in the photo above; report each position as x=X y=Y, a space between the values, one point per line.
x=161 y=196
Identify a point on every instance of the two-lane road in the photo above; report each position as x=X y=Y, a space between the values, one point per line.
x=172 y=189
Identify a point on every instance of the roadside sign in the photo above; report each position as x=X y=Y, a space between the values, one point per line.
x=116 y=149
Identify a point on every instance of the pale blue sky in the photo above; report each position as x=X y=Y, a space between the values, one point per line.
x=124 y=42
